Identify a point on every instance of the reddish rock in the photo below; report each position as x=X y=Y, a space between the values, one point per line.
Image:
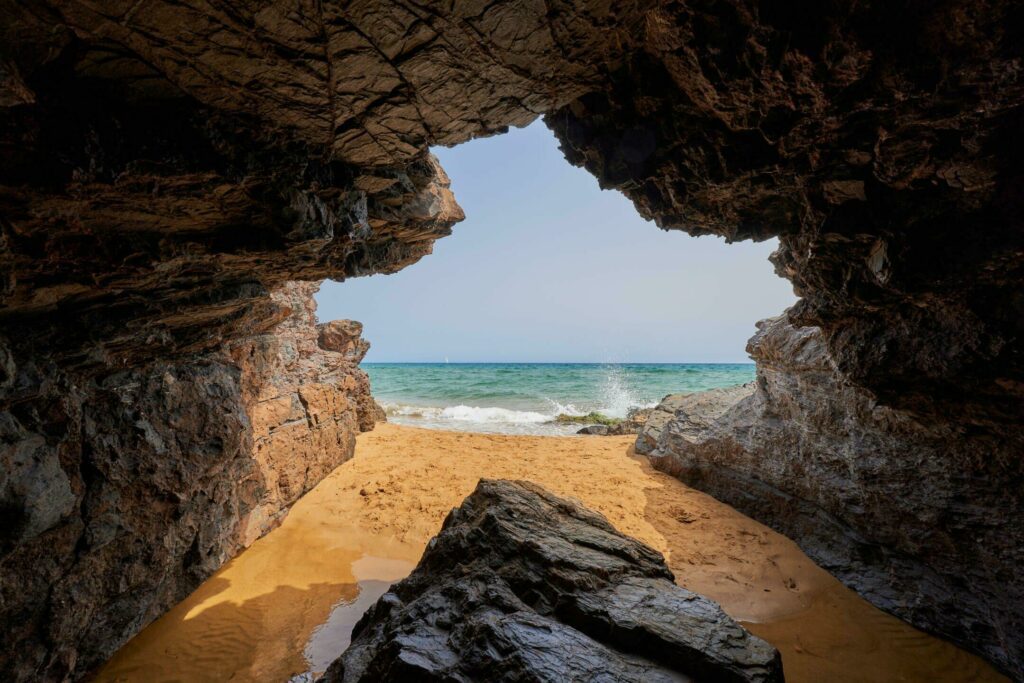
x=343 y=336
x=306 y=404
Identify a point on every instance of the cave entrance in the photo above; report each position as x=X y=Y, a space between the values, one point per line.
x=553 y=300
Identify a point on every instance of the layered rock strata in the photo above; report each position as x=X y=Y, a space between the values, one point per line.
x=306 y=399
x=142 y=482
x=164 y=167
x=521 y=585
x=921 y=517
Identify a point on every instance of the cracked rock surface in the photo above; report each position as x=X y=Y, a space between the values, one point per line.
x=922 y=518
x=521 y=585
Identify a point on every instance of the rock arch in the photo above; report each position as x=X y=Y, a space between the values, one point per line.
x=166 y=167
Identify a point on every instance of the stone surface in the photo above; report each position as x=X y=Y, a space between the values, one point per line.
x=686 y=416
x=165 y=167
x=521 y=585
x=632 y=424
x=140 y=483
x=343 y=336
x=923 y=518
x=306 y=403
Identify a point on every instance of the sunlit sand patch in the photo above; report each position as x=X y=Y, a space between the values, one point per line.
x=286 y=606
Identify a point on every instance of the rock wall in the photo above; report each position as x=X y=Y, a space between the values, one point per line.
x=306 y=403
x=164 y=168
x=922 y=517
x=120 y=494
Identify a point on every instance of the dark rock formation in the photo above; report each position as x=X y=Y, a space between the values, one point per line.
x=923 y=518
x=523 y=586
x=165 y=167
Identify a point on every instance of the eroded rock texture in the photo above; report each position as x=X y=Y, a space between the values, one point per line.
x=122 y=492
x=921 y=517
x=521 y=585
x=306 y=404
x=164 y=167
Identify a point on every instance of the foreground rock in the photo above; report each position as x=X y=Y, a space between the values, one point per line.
x=523 y=586
x=907 y=511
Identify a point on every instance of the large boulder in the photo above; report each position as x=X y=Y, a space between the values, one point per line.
x=521 y=585
x=922 y=515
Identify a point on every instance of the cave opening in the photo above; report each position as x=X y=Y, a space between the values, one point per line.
x=581 y=305
x=302 y=588
x=175 y=179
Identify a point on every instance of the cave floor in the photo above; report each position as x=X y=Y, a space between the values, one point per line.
x=284 y=608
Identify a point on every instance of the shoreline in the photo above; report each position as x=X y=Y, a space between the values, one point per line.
x=282 y=607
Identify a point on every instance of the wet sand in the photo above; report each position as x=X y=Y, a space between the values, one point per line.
x=286 y=605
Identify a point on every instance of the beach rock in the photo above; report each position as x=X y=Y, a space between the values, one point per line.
x=306 y=402
x=686 y=415
x=595 y=430
x=632 y=424
x=909 y=512
x=521 y=585
x=185 y=464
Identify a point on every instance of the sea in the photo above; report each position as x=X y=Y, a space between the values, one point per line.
x=528 y=398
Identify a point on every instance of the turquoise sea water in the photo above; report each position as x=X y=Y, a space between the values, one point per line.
x=525 y=398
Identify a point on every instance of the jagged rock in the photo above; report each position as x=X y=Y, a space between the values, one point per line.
x=343 y=336
x=521 y=585
x=922 y=517
x=204 y=456
x=306 y=404
x=687 y=415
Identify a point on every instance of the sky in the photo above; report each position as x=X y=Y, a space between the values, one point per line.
x=547 y=267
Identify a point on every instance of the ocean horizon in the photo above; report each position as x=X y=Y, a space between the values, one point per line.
x=528 y=398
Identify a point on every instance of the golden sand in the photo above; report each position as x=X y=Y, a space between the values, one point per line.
x=287 y=604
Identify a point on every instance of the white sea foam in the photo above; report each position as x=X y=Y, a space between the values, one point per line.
x=464 y=413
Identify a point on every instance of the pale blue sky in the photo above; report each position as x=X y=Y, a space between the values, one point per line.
x=547 y=267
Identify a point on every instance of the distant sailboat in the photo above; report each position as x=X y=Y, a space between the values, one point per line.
x=446 y=360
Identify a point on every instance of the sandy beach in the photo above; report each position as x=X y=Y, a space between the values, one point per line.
x=286 y=605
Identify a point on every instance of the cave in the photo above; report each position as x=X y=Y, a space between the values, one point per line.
x=175 y=176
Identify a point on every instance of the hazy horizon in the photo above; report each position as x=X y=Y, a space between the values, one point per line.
x=549 y=268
